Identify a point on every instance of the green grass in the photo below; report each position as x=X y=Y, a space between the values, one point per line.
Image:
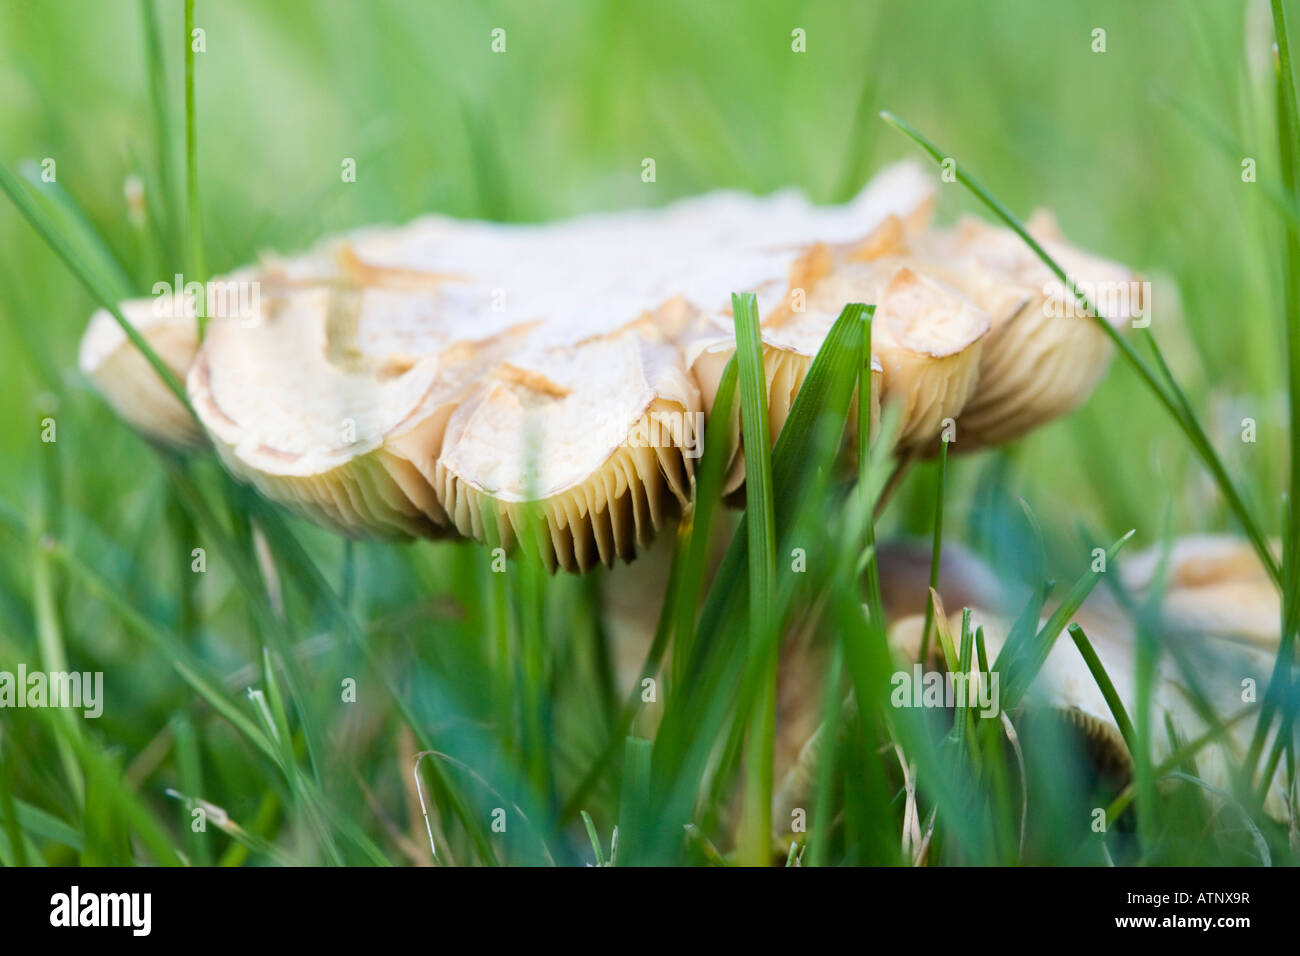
x=936 y=550
x=760 y=522
x=194 y=222
x=497 y=689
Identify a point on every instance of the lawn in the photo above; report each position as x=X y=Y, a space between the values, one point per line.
x=272 y=693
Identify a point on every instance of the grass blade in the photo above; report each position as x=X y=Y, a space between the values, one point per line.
x=936 y=549
x=197 y=266
x=699 y=522
x=634 y=812
x=756 y=828
x=1098 y=671
x=800 y=461
x=1289 y=150
x=156 y=69
x=592 y=836
x=867 y=497
x=1020 y=660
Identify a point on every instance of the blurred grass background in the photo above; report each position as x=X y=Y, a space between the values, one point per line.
x=1138 y=150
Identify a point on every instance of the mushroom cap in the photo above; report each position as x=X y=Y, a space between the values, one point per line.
x=925 y=340
x=794 y=326
x=1216 y=585
x=926 y=335
x=1065 y=684
x=433 y=379
x=1040 y=359
x=125 y=378
x=964 y=579
x=324 y=398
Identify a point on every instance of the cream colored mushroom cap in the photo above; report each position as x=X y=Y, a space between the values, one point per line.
x=792 y=330
x=1216 y=585
x=329 y=393
x=927 y=336
x=125 y=378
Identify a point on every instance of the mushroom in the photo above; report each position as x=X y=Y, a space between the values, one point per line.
x=970 y=326
x=1215 y=606
x=353 y=399
x=1219 y=605
x=1216 y=585
x=460 y=378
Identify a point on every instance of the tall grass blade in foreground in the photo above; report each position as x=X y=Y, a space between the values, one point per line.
x=867 y=494
x=755 y=841
x=156 y=68
x=936 y=548
x=691 y=721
